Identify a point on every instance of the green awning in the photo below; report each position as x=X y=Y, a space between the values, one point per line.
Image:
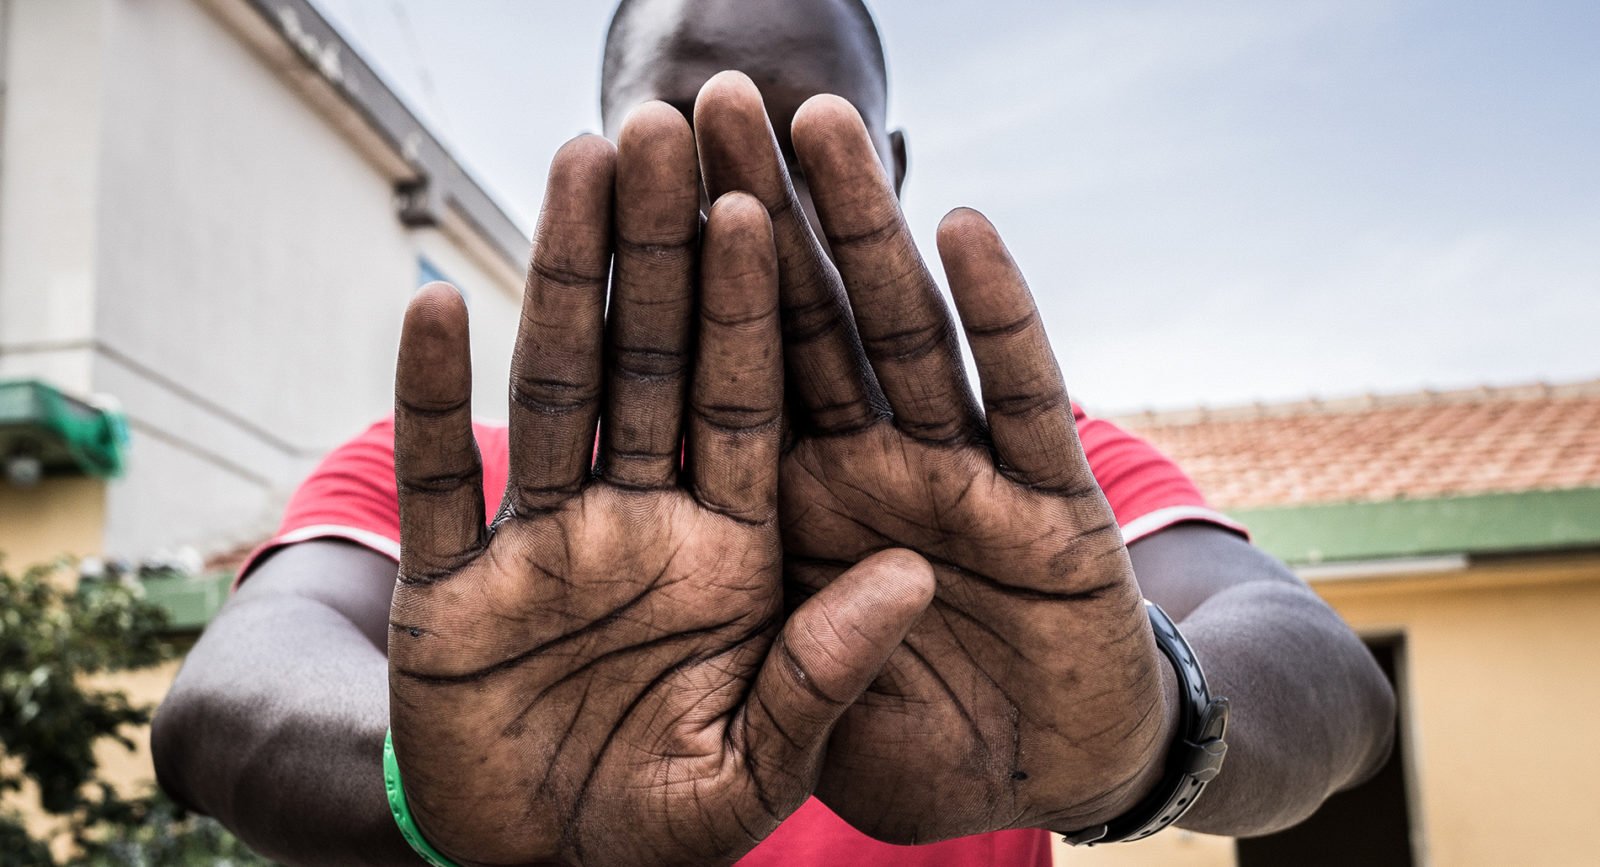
x=1481 y=524
x=66 y=435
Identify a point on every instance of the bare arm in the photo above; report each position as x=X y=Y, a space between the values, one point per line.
x=275 y=724
x=1311 y=712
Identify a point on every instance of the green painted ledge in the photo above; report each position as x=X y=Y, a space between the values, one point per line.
x=190 y=602
x=1484 y=524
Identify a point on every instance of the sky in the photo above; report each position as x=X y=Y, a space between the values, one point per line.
x=1215 y=201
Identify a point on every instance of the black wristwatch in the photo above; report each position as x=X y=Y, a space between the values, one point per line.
x=1196 y=756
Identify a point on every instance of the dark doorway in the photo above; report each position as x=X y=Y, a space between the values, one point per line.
x=1369 y=825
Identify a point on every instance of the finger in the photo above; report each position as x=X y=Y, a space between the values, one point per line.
x=737 y=397
x=904 y=325
x=1030 y=417
x=555 y=368
x=827 y=372
x=438 y=473
x=831 y=649
x=657 y=211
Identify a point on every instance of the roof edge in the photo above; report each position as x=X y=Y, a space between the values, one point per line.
x=1149 y=419
x=431 y=187
x=1483 y=524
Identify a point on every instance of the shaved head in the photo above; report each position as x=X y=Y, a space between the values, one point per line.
x=792 y=49
x=836 y=40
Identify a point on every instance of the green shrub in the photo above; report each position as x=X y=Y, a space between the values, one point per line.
x=51 y=639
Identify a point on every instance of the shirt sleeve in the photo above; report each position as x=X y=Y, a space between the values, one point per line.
x=351 y=496
x=1146 y=490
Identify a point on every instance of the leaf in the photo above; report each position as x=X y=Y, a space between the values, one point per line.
x=50 y=722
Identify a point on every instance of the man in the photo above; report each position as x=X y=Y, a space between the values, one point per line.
x=609 y=677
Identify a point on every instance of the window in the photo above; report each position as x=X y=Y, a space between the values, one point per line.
x=427 y=272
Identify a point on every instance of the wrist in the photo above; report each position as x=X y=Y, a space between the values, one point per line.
x=1154 y=745
x=1193 y=760
x=400 y=811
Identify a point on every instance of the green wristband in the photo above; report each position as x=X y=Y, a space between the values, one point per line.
x=402 y=811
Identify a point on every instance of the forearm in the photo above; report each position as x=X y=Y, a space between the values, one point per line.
x=1311 y=713
x=275 y=727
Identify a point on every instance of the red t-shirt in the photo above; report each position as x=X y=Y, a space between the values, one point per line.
x=352 y=496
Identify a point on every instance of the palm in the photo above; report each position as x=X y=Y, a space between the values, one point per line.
x=605 y=676
x=627 y=629
x=1031 y=694
x=1007 y=723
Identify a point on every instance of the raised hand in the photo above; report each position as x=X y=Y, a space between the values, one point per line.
x=1032 y=694
x=606 y=675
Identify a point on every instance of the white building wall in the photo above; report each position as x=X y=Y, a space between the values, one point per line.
x=248 y=276
x=54 y=70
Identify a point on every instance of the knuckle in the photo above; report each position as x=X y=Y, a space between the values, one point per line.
x=552 y=396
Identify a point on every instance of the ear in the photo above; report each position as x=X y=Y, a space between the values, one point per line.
x=897 y=146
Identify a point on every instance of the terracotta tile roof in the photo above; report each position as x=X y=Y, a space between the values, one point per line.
x=1389 y=447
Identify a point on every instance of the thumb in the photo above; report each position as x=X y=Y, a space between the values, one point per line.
x=828 y=653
